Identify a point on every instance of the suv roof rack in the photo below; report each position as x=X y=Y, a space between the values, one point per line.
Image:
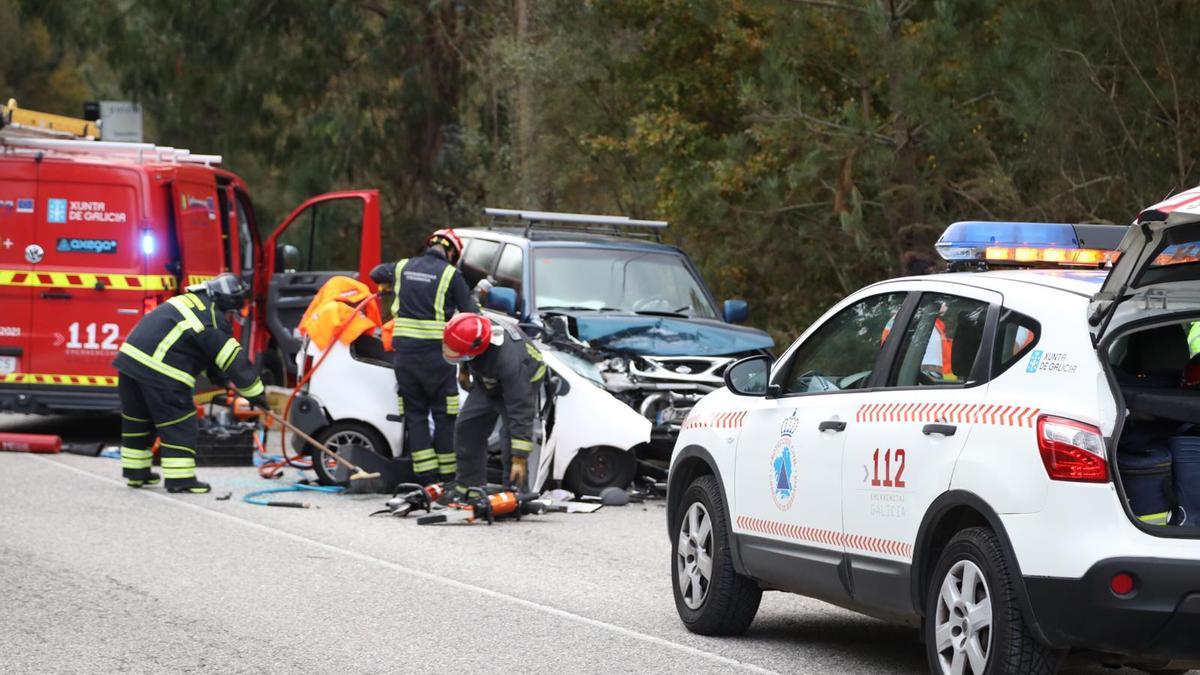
x=586 y=222
x=29 y=131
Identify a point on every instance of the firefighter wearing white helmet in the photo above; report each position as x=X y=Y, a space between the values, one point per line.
x=158 y=365
x=428 y=290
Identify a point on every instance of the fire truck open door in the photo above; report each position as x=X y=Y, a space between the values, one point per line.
x=197 y=227
x=332 y=234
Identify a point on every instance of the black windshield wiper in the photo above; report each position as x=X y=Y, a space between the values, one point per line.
x=659 y=312
x=577 y=308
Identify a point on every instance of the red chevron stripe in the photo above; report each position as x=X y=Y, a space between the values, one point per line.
x=826 y=537
x=964 y=413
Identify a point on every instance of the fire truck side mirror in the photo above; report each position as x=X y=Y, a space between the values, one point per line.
x=287 y=258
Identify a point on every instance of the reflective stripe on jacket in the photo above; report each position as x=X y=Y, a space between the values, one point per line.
x=179 y=339
x=428 y=291
x=512 y=370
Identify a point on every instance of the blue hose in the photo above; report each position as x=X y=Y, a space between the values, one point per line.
x=257 y=496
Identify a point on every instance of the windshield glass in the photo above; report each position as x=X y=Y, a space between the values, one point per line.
x=614 y=279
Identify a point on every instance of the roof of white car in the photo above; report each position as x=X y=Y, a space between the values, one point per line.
x=1079 y=282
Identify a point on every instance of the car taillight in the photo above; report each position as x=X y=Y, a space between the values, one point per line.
x=1071 y=450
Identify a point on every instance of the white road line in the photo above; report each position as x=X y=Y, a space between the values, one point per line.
x=536 y=606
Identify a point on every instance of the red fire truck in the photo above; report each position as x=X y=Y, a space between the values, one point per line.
x=95 y=234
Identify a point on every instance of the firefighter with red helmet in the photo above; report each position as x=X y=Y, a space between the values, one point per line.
x=157 y=366
x=428 y=290
x=507 y=371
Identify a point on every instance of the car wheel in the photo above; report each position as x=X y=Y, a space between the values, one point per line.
x=710 y=596
x=594 y=469
x=973 y=623
x=337 y=437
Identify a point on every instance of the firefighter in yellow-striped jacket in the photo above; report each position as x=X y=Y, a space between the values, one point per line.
x=428 y=290
x=157 y=366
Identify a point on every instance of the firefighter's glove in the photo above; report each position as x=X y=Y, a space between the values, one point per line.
x=517 y=474
x=259 y=401
x=464 y=379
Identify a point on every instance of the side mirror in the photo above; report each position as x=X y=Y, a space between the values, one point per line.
x=749 y=376
x=287 y=258
x=502 y=299
x=736 y=311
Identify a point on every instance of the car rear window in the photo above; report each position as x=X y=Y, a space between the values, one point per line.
x=941 y=343
x=1016 y=334
x=1178 y=258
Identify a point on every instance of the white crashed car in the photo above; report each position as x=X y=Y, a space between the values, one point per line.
x=351 y=400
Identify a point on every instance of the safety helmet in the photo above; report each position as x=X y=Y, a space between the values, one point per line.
x=447 y=239
x=227 y=291
x=466 y=336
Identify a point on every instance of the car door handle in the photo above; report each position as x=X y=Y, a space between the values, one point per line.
x=831 y=425
x=56 y=295
x=943 y=429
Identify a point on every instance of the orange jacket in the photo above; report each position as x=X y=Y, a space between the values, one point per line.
x=333 y=306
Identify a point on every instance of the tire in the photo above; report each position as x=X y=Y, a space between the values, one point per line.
x=727 y=602
x=991 y=641
x=594 y=469
x=342 y=434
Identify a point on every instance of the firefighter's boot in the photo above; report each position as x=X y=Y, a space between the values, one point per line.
x=188 y=485
x=147 y=479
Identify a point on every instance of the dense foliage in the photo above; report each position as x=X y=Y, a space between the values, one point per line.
x=800 y=148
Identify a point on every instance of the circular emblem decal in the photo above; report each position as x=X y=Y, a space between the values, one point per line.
x=783 y=466
x=34 y=253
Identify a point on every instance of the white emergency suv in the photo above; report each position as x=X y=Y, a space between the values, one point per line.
x=1002 y=457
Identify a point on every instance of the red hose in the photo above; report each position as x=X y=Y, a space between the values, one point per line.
x=296 y=460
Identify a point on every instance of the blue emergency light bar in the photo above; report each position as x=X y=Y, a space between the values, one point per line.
x=1030 y=243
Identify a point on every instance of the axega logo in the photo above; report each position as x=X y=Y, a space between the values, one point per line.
x=783 y=465
x=66 y=245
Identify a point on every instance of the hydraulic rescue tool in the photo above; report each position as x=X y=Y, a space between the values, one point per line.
x=358 y=474
x=414 y=498
x=478 y=504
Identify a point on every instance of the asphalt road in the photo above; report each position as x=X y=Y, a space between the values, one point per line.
x=102 y=578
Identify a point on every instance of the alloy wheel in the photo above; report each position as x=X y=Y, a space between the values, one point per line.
x=340 y=441
x=694 y=555
x=963 y=621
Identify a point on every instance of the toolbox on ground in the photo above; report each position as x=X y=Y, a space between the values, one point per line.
x=225 y=444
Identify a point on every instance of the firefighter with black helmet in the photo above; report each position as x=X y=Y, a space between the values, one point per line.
x=508 y=373
x=428 y=290
x=157 y=366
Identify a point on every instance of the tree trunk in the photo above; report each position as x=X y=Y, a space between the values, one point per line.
x=905 y=203
x=524 y=117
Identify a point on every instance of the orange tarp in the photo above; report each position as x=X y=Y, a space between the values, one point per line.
x=333 y=306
